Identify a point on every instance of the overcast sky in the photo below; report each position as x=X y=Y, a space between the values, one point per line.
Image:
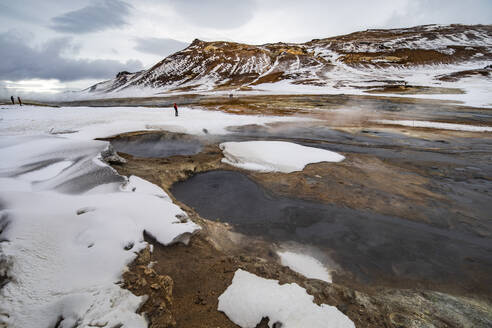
x=49 y=46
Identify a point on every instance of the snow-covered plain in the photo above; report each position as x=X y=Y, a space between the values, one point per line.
x=437 y=125
x=271 y=156
x=304 y=264
x=250 y=298
x=98 y=122
x=70 y=224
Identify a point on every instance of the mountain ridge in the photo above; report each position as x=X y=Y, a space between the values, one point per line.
x=332 y=62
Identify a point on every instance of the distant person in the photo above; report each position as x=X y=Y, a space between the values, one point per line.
x=12 y=99
x=175 y=109
x=20 y=102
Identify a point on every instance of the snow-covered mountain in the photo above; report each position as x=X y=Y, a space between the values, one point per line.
x=422 y=55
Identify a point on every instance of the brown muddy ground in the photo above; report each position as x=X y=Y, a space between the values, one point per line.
x=414 y=90
x=199 y=272
x=274 y=104
x=370 y=179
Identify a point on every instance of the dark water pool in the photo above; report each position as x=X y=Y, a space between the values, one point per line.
x=371 y=246
x=157 y=145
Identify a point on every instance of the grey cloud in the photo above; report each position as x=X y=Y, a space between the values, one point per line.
x=220 y=14
x=20 y=61
x=159 y=46
x=420 y=12
x=93 y=18
x=14 y=13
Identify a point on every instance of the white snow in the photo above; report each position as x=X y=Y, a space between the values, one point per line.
x=47 y=172
x=437 y=125
x=304 y=264
x=250 y=298
x=70 y=223
x=269 y=156
x=143 y=186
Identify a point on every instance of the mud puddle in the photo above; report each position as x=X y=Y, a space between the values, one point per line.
x=156 y=145
x=372 y=247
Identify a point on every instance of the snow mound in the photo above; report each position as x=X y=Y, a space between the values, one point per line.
x=270 y=156
x=304 y=264
x=438 y=125
x=250 y=298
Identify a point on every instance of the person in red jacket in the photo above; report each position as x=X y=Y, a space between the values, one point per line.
x=175 y=109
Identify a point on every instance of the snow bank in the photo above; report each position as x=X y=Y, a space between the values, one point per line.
x=68 y=249
x=437 y=125
x=250 y=298
x=268 y=156
x=304 y=264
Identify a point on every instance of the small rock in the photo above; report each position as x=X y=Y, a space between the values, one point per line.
x=183 y=218
x=83 y=210
x=200 y=300
x=111 y=157
x=144 y=256
x=142 y=282
x=129 y=246
x=261 y=270
x=149 y=271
